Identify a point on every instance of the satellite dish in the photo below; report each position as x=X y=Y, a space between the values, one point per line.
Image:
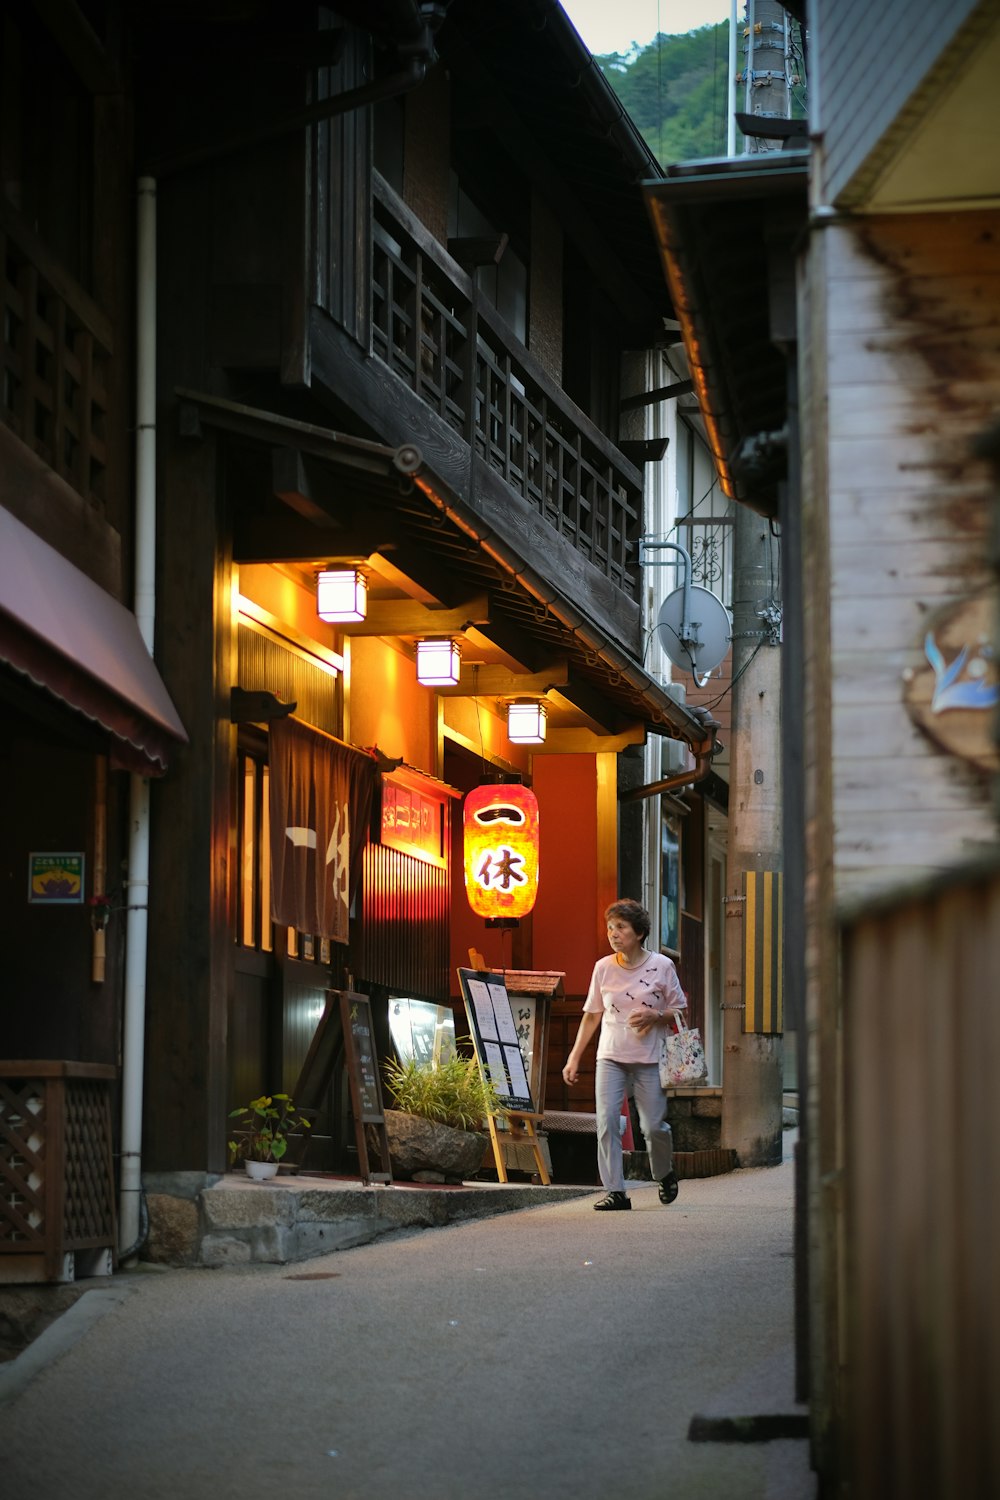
x=701 y=642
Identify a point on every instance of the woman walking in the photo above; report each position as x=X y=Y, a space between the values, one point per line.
x=633 y=993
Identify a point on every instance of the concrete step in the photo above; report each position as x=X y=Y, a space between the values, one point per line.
x=233 y=1221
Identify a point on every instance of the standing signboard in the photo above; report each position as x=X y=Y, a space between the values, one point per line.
x=495 y=1040
x=366 y=1091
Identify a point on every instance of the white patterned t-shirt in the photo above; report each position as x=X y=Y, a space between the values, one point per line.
x=615 y=992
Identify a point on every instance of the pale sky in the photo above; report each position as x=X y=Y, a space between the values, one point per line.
x=613 y=25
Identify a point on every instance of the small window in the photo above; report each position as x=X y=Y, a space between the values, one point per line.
x=421 y=1031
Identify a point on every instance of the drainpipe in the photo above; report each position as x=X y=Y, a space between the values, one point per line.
x=699 y=771
x=137 y=881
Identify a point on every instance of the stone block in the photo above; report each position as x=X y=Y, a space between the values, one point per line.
x=321 y=1205
x=240 y=1208
x=224 y=1250
x=309 y=1240
x=272 y=1244
x=707 y=1108
x=174 y=1231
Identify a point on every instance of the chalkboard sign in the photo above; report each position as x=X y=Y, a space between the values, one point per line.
x=358 y=1024
x=495 y=1038
x=362 y=1071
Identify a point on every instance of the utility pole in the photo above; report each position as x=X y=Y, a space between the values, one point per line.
x=752 y=1064
x=752 y=1067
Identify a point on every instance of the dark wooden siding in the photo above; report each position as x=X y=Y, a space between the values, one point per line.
x=342 y=199
x=404 y=933
x=912 y=1198
x=264 y=665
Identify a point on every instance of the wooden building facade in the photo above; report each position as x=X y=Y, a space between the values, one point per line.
x=877 y=317
x=395 y=278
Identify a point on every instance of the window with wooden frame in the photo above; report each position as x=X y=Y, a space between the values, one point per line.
x=254 y=928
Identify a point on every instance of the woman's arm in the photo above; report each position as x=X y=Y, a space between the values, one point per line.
x=589 y=1022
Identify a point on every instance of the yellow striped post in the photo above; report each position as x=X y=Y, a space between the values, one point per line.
x=762 y=977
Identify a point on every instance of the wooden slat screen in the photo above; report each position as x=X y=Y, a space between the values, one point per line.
x=404 y=941
x=914 y=1226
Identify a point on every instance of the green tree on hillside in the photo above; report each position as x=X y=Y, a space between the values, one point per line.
x=676 y=91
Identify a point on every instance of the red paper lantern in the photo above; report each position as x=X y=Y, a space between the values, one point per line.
x=501 y=850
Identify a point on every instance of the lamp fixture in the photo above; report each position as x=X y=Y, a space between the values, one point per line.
x=439 y=662
x=526 y=722
x=341 y=595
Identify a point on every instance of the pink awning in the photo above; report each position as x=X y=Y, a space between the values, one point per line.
x=73 y=639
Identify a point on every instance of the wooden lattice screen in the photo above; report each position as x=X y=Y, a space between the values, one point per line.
x=56 y=349
x=56 y=1170
x=460 y=357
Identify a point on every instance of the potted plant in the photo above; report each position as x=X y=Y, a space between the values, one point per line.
x=435 y=1131
x=261 y=1139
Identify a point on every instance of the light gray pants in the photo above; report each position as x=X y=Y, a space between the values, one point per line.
x=642 y=1081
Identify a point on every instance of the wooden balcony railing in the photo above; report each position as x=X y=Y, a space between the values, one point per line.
x=57 y=347
x=436 y=333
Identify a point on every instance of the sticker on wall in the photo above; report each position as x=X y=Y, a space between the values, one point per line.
x=55 y=879
x=954 y=695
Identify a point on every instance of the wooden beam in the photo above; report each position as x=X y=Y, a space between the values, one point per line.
x=408 y=617
x=256 y=707
x=81 y=46
x=500 y=682
x=653 y=398
x=644 y=450
x=284 y=538
x=584 y=742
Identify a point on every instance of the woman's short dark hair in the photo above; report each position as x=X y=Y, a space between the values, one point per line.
x=631 y=912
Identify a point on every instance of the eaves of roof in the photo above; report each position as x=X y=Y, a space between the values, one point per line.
x=714 y=221
x=432 y=516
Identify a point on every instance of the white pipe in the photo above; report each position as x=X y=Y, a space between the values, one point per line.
x=137 y=883
x=731 y=92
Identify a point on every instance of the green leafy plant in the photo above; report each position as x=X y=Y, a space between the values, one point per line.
x=266 y=1124
x=454 y=1093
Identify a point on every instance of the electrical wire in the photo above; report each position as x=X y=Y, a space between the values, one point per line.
x=735 y=679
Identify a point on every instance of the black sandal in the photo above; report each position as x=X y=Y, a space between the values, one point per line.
x=669 y=1188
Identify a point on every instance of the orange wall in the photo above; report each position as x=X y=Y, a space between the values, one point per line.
x=568 y=921
x=388 y=707
x=286 y=600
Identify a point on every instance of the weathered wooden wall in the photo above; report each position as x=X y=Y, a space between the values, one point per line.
x=900 y=371
x=921 y=1130
x=913 y=374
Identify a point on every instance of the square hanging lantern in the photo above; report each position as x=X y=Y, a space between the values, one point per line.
x=526 y=723
x=500 y=824
x=341 y=595
x=439 y=663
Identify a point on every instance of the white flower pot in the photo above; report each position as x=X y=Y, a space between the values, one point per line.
x=261 y=1171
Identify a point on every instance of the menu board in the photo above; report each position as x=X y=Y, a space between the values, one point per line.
x=495 y=1037
x=366 y=1093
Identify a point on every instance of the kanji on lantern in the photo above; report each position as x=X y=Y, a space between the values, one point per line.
x=501 y=850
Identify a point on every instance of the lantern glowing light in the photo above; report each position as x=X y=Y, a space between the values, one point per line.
x=439 y=663
x=501 y=850
x=526 y=723
x=341 y=595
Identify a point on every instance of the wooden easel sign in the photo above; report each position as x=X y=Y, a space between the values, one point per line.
x=498 y=1052
x=366 y=1092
